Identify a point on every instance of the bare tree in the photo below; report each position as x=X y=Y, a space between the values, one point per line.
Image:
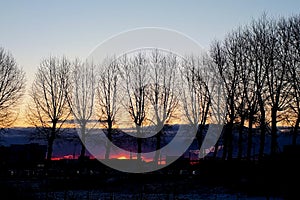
x=294 y=74
x=226 y=57
x=50 y=108
x=12 y=85
x=253 y=77
x=246 y=100
x=258 y=58
x=196 y=95
x=277 y=68
x=244 y=58
x=162 y=92
x=136 y=80
x=81 y=98
x=107 y=91
x=218 y=107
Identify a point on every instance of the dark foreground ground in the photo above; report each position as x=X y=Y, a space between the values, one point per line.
x=275 y=178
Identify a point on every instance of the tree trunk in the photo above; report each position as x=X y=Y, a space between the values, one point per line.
x=274 y=131
x=229 y=130
x=249 y=145
x=199 y=137
x=108 y=144
x=263 y=130
x=225 y=142
x=51 y=141
x=50 y=147
x=230 y=140
x=109 y=136
x=139 y=144
x=83 y=149
x=158 y=143
x=139 y=150
x=216 y=149
x=295 y=131
x=240 y=142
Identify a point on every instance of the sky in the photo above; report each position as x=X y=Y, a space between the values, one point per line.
x=35 y=29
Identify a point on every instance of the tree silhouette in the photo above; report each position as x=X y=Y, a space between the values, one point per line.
x=12 y=85
x=81 y=98
x=136 y=80
x=162 y=94
x=226 y=57
x=49 y=108
x=293 y=73
x=196 y=97
x=107 y=93
x=257 y=37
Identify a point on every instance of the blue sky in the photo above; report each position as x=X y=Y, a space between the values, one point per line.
x=33 y=30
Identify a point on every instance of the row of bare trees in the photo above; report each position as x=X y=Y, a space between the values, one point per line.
x=251 y=78
x=145 y=85
x=259 y=66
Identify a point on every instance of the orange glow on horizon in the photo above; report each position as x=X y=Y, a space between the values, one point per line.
x=122 y=158
x=56 y=158
x=68 y=157
x=113 y=156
